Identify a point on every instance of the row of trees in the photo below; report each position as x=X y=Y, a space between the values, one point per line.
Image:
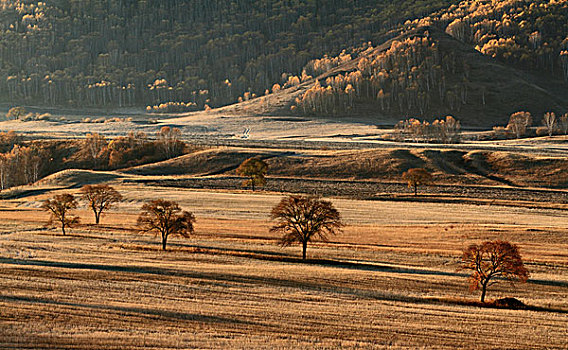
x=519 y=122
x=297 y=218
x=99 y=198
x=135 y=148
x=448 y=130
x=25 y=162
x=440 y=131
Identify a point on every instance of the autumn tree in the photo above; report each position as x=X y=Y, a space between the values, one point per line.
x=301 y=218
x=100 y=198
x=550 y=122
x=16 y=113
x=519 y=122
x=255 y=170
x=169 y=141
x=59 y=207
x=166 y=219
x=417 y=177
x=492 y=261
x=94 y=146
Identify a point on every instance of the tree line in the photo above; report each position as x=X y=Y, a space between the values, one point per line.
x=195 y=52
x=416 y=75
x=25 y=162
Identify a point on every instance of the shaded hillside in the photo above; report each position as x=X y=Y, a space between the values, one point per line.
x=479 y=61
x=448 y=166
x=123 y=53
x=424 y=73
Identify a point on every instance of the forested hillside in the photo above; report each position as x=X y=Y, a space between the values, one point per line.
x=495 y=58
x=135 y=52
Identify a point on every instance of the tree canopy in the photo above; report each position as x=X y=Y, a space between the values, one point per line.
x=491 y=261
x=58 y=208
x=100 y=198
x=417 y=177
x=166 y=219
x=255 y=170
x=303 y=218
x=177 y=53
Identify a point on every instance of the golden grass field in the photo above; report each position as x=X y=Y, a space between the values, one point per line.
x=393 y=284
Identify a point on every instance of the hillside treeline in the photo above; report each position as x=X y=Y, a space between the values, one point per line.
x=527 y=33
x=24 y=161
x=196 y=52
x=417 y=76
x=406 y=78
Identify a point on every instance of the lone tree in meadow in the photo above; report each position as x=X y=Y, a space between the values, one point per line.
x=417 y=177
x=16 y=113
x=166 y=219
x=59 y=208
x=255 y=170
x=301 y=218
x=100 y=198
x=492 y=261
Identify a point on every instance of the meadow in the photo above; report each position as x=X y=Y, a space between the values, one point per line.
x=390 y=280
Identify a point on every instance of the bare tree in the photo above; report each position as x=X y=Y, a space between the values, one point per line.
x=165 y=218
x=417 y=177
x=519 y=122
x=301 y=218
x=564 y=123
x=255 y=170
x=59 y=208
x=100 y=198
x=491 y=261
x=549 y=120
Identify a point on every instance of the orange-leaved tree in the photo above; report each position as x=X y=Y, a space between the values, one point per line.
x=166 y=219
x=100 y=198
x=59 y=208
x=301 y=218
x=417 y=177
x=492 y=261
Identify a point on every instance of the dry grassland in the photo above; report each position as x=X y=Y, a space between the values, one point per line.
x=232 y=286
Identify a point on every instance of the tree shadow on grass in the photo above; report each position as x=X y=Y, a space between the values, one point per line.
x=223 y=278
x=152 y=313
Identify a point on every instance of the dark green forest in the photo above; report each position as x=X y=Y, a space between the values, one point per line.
x=116 y=53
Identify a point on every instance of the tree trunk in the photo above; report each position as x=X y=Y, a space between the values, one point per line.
x=304 y=247
x=483 y=291
x=252 y=183
x=164 y=241
x=97 y=218
x=63 y=228
x=415 y=190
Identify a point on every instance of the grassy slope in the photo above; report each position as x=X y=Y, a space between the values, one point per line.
x=106 y=287
x=448 y=166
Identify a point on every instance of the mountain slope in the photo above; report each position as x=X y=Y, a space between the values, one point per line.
x=422 y=73
x=121 y=53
